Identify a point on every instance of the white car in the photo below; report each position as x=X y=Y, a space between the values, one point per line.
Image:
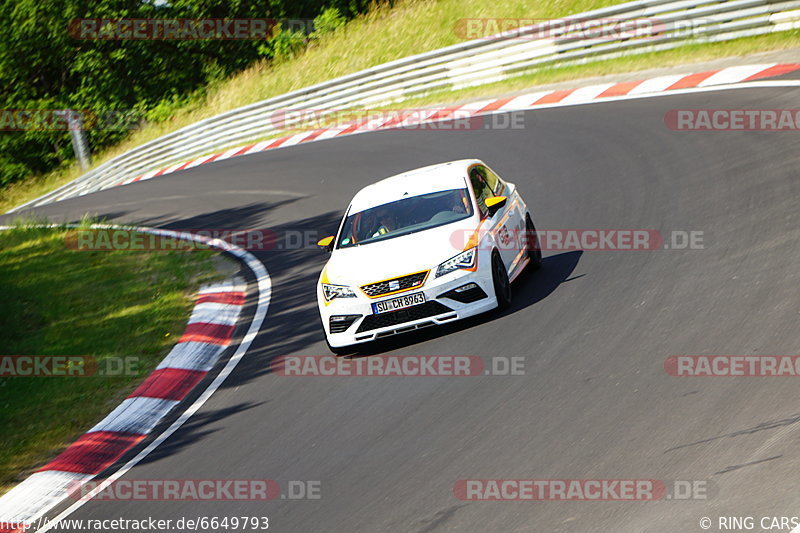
x=426 y=247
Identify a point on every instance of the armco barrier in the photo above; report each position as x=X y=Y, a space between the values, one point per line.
x=466 y=64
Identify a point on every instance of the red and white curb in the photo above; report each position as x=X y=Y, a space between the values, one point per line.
x=207 y=334
x=582 y=95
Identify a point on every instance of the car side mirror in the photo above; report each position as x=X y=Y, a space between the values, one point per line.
x=495 y=203
x=326 y=243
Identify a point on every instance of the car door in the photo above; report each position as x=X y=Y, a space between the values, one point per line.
x=514 y=223
x=502 y=226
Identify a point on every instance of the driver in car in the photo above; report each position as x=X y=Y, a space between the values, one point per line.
x=386 y=222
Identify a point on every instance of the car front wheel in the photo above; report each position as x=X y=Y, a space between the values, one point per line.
x=534 y=249
x=502 y=286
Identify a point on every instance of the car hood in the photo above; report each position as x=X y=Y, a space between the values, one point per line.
x=377 y=261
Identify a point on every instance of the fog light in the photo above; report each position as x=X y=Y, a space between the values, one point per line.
x=466 y=294
x=339 y=323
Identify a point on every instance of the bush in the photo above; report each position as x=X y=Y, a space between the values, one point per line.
x=44 y=66
x=327 y=22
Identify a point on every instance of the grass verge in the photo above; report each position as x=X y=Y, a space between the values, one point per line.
x=385 y=34
x=104 y=304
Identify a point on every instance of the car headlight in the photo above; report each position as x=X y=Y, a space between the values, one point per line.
x=336 y=291
x=463 y=261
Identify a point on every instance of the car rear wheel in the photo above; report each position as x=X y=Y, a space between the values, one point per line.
x=502 y=287
x=534 y=249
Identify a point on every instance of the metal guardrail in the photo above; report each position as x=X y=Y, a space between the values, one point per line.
x=466 y=64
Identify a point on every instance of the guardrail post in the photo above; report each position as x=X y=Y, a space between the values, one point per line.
x=78 y=136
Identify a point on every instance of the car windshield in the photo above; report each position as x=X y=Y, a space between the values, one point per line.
x=405 y=216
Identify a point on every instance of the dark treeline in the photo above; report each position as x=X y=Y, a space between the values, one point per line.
x=45 y=64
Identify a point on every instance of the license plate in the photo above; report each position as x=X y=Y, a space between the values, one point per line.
x=400 y=302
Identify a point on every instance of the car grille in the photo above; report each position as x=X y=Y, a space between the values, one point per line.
x=392 y=318
x=411 y=281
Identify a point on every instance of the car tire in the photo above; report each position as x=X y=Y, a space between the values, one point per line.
x=534 y=249
x=339 y=351
x=502 y=286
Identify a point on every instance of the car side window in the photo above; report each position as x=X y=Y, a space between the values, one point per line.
x=477 y=176
x=494 y=181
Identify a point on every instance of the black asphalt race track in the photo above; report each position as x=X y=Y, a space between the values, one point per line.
x=594 y=329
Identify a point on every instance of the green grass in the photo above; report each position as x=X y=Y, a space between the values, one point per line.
x=385 y=34
x=59 y=301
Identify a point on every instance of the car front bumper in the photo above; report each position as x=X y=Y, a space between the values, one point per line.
x=441 y=306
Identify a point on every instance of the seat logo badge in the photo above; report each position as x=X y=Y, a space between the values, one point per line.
x=394 y=285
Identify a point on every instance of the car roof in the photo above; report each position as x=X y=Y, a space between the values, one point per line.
x=433 y=178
